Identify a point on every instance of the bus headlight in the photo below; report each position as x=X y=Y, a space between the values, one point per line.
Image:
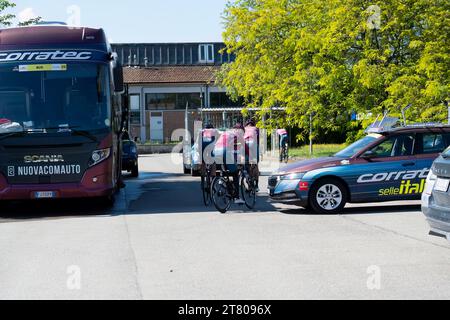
x=99 y=156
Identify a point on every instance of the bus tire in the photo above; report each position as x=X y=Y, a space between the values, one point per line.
x=135 y=171
x=108 y=201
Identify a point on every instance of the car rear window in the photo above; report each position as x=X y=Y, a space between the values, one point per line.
x=435 y=142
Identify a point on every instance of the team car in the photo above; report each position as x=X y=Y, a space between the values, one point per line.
x=436 y=198
x=191 y=163
x=391 y=163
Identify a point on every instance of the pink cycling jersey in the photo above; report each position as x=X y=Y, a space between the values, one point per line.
x=226 y=138
x=251 y=134
x=282 y=132
x=208 y=135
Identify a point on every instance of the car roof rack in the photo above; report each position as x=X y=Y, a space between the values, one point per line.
x=389 y=124
x=383 y=125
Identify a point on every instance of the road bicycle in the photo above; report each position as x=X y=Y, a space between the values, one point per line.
x=223 y=190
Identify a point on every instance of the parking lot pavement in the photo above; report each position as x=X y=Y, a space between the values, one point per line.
x=160 y=242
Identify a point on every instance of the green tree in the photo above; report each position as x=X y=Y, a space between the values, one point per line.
x=336 y=57
x=6 y=19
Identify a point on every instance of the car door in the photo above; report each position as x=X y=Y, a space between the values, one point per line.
x=429 y=146
x=388 y=171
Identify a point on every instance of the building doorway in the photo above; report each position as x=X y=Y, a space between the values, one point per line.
x=156 y=127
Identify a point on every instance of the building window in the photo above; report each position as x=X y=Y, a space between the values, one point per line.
x=172 y=101
x=206 y=53
x=222 y=100
x=135 y=109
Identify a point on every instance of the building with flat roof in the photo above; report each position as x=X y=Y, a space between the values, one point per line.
x=165 y=79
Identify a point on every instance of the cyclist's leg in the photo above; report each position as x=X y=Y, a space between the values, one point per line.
x=237 y=187
x=283 y=147
x=255 y=175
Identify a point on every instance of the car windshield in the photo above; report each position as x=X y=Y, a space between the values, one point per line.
x=54 y=97
x=356 y=147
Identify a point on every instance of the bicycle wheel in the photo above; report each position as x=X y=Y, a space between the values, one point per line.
x=248 y=189
x=220 y=195
x=206 y=189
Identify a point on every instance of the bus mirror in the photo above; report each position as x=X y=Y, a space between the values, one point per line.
x=118 y=78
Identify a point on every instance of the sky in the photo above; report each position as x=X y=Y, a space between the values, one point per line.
x=135 y=20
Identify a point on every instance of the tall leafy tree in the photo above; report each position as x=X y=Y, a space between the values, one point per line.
x=6 y=19
x=337 y=57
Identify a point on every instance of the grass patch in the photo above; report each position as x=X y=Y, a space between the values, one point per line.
x=320 y=150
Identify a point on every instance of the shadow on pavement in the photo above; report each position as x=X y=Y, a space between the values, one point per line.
x=56 y=209
x=360 y=210
x=151 y=193
x=174 y=195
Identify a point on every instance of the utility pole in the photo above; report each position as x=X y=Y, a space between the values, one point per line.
x=448 y=108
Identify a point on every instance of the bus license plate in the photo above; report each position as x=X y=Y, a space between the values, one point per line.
x=45 y=195
x=442 y=185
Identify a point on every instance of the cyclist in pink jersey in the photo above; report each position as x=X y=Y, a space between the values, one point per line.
x=229 y=152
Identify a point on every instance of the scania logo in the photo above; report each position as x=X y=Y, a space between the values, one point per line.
x=45 y=56
x=44 y=159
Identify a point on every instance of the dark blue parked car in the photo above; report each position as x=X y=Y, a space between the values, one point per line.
x=130 y=156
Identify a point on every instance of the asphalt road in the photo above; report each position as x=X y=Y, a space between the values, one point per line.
x=159 y=242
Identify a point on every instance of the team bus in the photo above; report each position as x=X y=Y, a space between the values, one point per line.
x=61 y=117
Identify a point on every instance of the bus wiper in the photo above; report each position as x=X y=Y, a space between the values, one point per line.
x=74 y=131
x=4 y=136
x=21 y=133
x=84 y=133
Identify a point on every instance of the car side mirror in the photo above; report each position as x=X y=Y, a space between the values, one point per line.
x=118 y=78
x=369 y=155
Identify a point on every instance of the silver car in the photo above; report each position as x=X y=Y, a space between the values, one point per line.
x=436 y=198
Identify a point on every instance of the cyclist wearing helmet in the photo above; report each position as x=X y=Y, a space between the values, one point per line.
x=284 y=138
x=228 y=152
x=206 y=139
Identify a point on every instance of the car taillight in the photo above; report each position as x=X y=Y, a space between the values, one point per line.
x=304 y=186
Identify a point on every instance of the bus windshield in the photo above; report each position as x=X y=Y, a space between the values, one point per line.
x=54 y=97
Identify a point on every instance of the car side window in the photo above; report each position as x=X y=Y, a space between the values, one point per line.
x=399 y=146
x=384 y=149
x=434 y=143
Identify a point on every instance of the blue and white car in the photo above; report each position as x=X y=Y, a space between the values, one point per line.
x=388 y=164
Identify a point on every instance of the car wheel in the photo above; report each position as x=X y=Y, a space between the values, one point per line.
x=328 y=196
x=135 y=171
